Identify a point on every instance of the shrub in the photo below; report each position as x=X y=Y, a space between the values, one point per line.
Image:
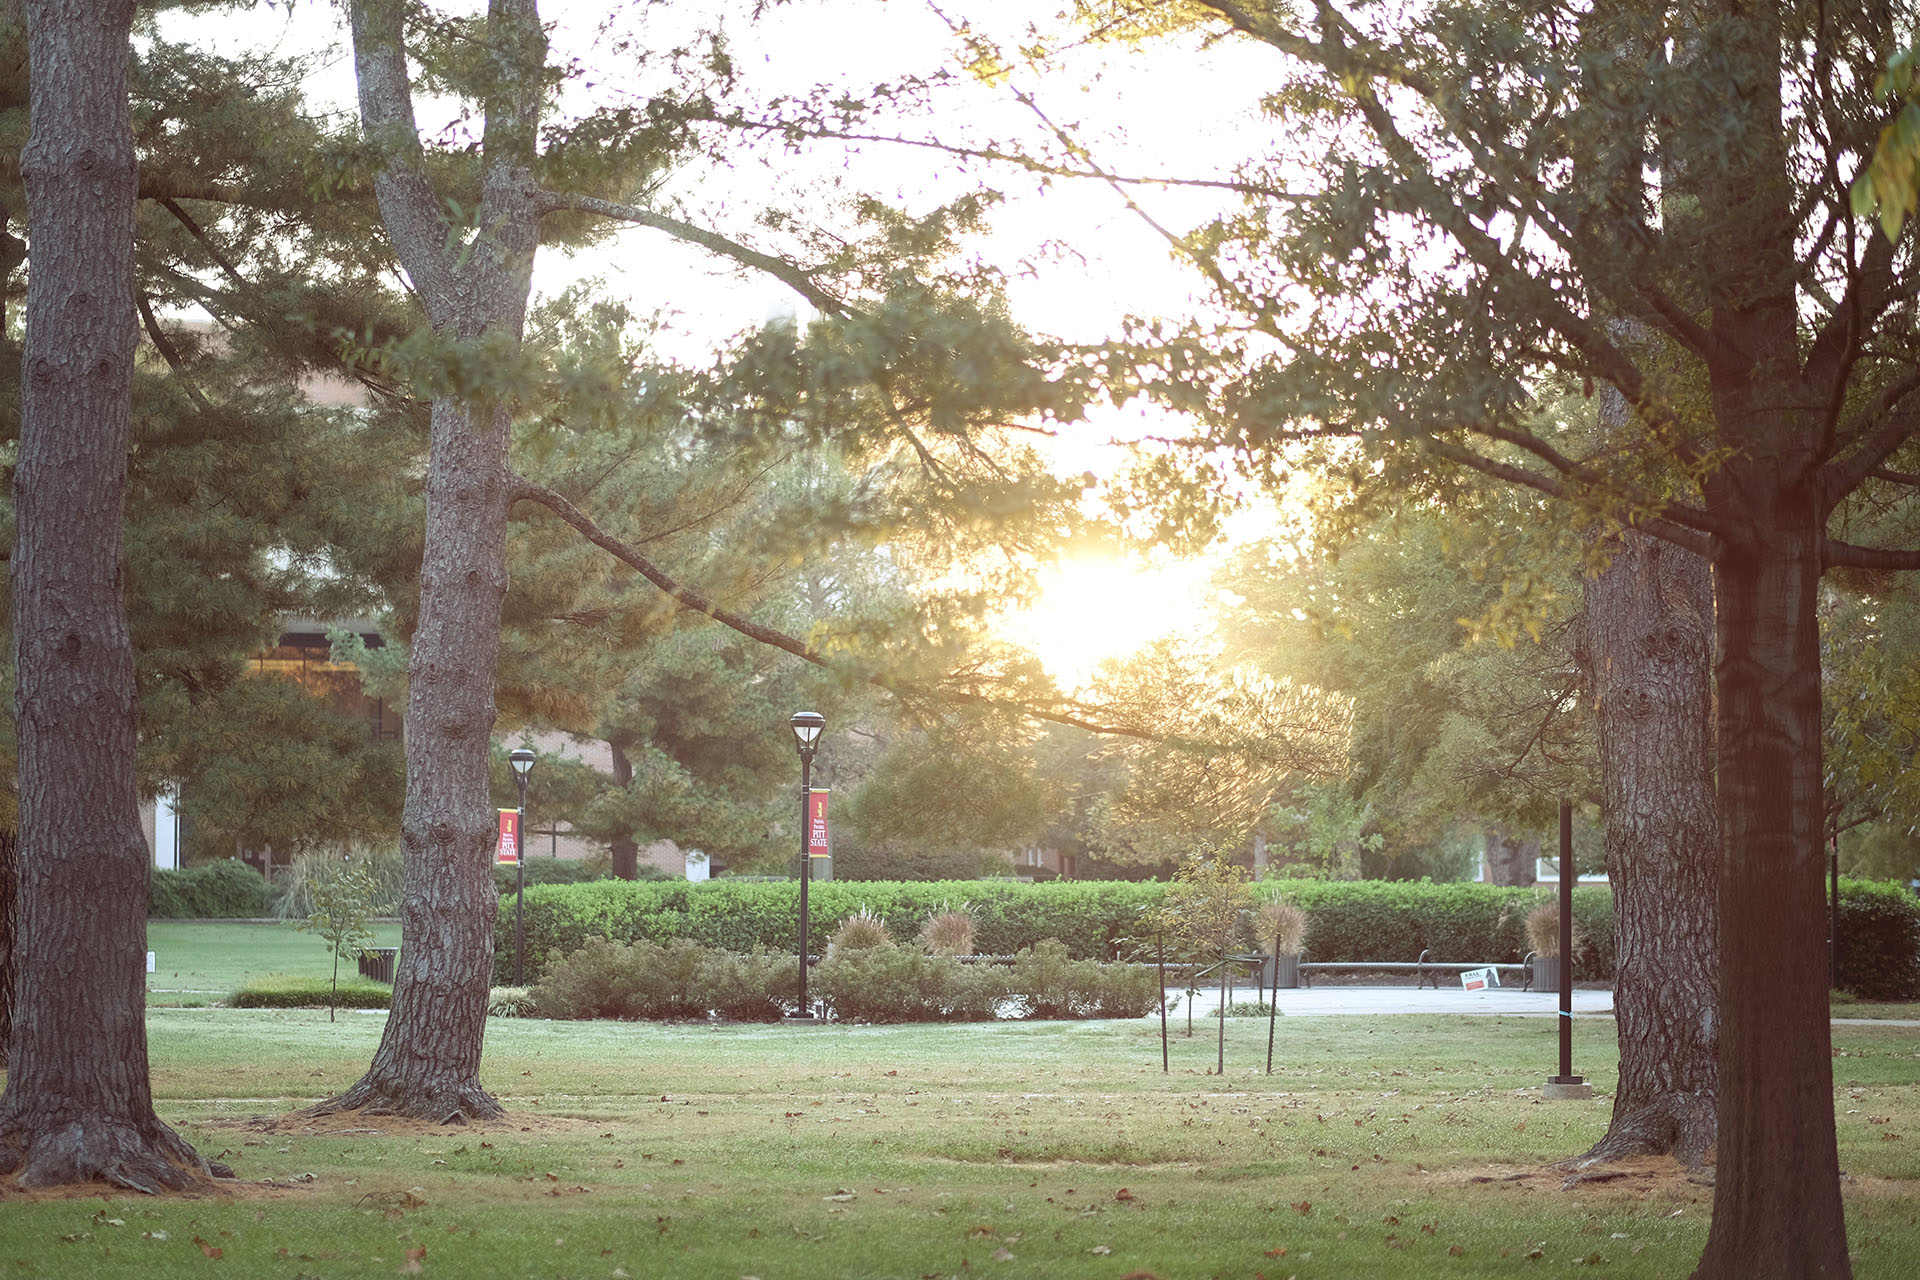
x=1247 y=1009
x=597 y=981
x=759 y=986
x=1397 y=920
x=1543 y=930
x=1124 y=991
x=310 y=993
x=225 y=890
x=680 y=980
x=861 y=931
x=948 y=933
x=892 y=983
x=882 y=983
x=540 y=870
x=1879 y=942
x=511 y=1002
x=1346 y=920
x=292 y=886
x=1281 y=926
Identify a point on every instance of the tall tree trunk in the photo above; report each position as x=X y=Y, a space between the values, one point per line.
x=1646 y=650
x=1511 y=859
x=624 y=848
x=78 y=1106
x=1777 y=1208
x=9 y=931
x=474 y=286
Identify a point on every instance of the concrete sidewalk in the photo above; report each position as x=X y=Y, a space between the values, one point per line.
x=1328 y=1001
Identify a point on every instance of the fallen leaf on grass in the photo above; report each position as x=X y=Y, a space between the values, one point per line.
x=416 y=1261
x=211 y=1250
x=1100 y=1250
x=1002 y=1255
x=1281 y=1252
x=1123 y=1194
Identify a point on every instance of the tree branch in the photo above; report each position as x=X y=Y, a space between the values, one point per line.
x=170 y=353
x=418 y=226
x=528 y=491
x=1842 y=476
x=1019 y=160
x=1845 y=555
x=1683 y=526
x=206 y=242
x=779 y=268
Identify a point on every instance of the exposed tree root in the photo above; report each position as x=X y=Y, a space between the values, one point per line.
x=151 y=1159
x=441 y=1104
x=1682 y=1125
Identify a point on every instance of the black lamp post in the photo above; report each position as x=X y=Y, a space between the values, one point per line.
x=522 y=761
x=806 y=738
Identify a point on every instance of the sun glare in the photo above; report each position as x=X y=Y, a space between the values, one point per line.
x=1090 y=610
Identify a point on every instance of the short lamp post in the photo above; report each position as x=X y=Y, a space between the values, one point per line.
x=806 y=738
x=522 y=761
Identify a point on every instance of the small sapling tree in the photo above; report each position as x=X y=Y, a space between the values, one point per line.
x=1204 y=903
x=342 y=901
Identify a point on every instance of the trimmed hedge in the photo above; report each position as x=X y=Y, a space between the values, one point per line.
x=1879 y=933
x=1398 y=919
x=1095 y=919
x=311 y=993
x=1099 y=920
x=225 y=890
x=1092 y=917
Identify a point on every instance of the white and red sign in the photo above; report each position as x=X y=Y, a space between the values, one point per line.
x=507 y=853
x=817 y=844
x=1480 y=979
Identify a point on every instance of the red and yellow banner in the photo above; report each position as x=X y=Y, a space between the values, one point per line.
x=817 y=845
x=507 y=853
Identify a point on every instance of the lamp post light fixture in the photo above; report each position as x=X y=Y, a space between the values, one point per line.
x=806 y=739
x=522 y=761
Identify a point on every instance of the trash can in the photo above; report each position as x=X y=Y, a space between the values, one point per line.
x=377 y=963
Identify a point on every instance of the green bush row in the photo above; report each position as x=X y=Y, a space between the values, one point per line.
x=1093 y=918
x=311 y=993
x=1398 y=919
x=1103 y=920
x=1096 y=920
x=1879 y=937
x=888 y=983
x=225 y=890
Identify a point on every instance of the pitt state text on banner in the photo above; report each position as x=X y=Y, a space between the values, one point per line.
x=508 y=852
x=817 y=846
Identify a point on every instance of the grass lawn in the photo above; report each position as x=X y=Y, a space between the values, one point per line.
x=1876 y=1009
x=197 y=962
x=1381 y=1147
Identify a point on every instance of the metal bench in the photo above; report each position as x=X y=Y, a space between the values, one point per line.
x=1425 y=970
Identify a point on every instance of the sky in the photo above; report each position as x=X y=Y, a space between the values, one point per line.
x=1171 y=109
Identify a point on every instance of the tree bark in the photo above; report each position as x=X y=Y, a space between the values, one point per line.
x=624 y=848
x=1646 y=650
x=474 y=287
x=1511 y=859
x=78 y=1105
x=1777 y=1207
x=9 y=932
